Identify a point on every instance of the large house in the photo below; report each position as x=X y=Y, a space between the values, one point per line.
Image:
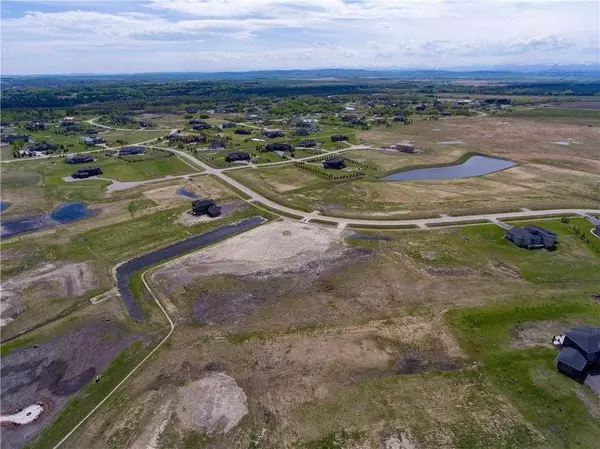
x=91 y=141
x=237 y=157
x=339 y=138
x=131 y=150
x=532 y=237
x=272 y=133
x=13 y=137
x=35 y=126
x=334 y=162
x=79 y=159
x=278 y=147
x=580 y=350
x=205 y=207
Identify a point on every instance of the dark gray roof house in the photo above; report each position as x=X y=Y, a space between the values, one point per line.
x=237 y=156
x=79 y=159
x=132 y=149
x=205 y=207
x=278 y=147
x=13 y=137
x=580 y=350
x=532 y=237
x=334 y=162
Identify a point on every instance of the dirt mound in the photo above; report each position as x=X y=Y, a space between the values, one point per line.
x=212 y=404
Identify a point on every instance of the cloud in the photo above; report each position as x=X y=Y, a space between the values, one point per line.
x=253 y=34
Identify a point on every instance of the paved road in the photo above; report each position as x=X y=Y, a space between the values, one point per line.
x=422 y=222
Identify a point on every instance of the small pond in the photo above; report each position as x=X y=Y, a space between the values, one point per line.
x=65 y=213
x=474 y=166
x=3 y=205
x=186 y=193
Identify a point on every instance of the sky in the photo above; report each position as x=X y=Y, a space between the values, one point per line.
x=134 y=36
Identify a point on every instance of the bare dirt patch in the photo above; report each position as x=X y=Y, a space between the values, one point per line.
x=536 y=333
x=212 y=404
x=53 y=371
x=451 y=271
x=276 y=248
x=46 y=282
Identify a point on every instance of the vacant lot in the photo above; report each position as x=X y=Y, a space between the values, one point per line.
x=308 y=325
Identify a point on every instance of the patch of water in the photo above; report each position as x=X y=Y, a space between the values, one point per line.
x=65 y=213
x=187 y=193
x=69 y=212
x=3 y=205
x=474 y=166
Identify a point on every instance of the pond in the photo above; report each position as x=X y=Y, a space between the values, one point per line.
x=126 y=270
x=3 y=205
x=474 y=166
x=65 y=213
x=186 y=193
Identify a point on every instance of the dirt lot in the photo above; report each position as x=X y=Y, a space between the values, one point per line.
x=31 y=292
x=53 y=371
x=517 y=139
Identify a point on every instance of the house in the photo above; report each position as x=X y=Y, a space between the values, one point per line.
x=404 y=147
x=243 y=131
x=334 y=162
x=307 y=143
x=191 y=110
x=86 y=172
x=131 y=150
x=339 y=138
x=302 y=132
x=68 y=120
x=253 y=117
x=229 y=125
x=145 y=124
x=272 y=133
x=532 y=237
x=205 y=207
x=580 y=350
x=90 y=141
x=237 y=157
x=79 y=159
x=13 y=137
x=35 y=126
x=278 y=147
x=42 y=147
x=421 y=107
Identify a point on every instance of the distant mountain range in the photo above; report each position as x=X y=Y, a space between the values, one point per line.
x=585 y=70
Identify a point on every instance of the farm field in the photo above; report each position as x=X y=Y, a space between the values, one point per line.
x=324 y=320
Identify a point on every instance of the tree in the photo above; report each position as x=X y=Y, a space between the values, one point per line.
x=18 y=145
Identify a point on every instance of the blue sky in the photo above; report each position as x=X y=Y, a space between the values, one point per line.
x=92 y=36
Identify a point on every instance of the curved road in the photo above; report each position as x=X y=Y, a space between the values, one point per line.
x=342 y=222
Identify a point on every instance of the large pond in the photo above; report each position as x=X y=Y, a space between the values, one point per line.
x=127 y=269
x=474 y=166
x=65 y=213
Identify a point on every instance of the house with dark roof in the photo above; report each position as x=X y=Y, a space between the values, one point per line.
x=334 y=162
x=35 y=126
x=273 y=133
x=91 y=141
x=205 y=207
x=339 y=138
x=532 y=237
x=42 y=147
x=13 y=137
x=307 y=143
x=243 y=131
x=580 y=350
x=79 y=159
x=237 y=157
x=131 y=150
x=278 y=147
